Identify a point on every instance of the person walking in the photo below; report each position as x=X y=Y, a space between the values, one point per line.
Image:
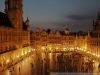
x=99 y=68
x=19 y=70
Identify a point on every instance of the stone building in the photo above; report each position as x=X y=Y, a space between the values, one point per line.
x=14 y=32
x=87 y=41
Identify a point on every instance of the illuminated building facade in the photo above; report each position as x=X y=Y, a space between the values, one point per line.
x=82 y=48
x=14 y=32
x=62 y=40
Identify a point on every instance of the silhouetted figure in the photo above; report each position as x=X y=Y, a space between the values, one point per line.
x=19 y=70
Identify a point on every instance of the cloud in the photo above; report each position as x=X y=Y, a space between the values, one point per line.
x=60 y=24
x=80 y=17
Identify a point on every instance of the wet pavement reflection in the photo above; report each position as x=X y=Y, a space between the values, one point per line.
x=47 y=63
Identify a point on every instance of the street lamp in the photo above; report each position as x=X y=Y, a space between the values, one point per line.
x=87 y=51
x=98 y=55
x=33 y=49
x=57 y=48
x=64 y=49
x=7 y=61
x=22 y=54
x=94 y=54
x=29 y=51
x=43 y=48
x=17 y=56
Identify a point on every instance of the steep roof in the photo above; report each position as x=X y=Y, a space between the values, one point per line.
x=4 y=20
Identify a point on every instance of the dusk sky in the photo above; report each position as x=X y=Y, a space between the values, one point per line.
x=59 y=14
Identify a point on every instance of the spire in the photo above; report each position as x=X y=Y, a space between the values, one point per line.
x=98 y=14
x=6 y=6
x=88 y=33
x=28 y=23
x=93 y=22
x=93 y=25
x=27 y=19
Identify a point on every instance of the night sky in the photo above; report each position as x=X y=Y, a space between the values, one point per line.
x=59 y=14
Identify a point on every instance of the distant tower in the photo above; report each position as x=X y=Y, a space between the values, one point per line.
x=98 y=19
x=99 y=15
x=66 y=31
x=94 y=28
x=13 y=9
x=96 y=24
x=28 y=24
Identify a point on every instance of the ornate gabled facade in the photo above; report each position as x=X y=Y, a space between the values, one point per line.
x=81 y=48
x=59 y=40
x=94 y=36
x=12 y=27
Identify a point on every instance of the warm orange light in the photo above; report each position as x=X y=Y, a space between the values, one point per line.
x=93 y=54
x=17 y=56
x=43 y=48
x=98 y=55
x=57 y=48
x=64 y=48
x=22 y=54
x=7 y=61
x=87 y=51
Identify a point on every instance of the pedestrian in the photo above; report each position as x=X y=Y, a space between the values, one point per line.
x=99 y=68
x=19 y=69
x=13 y=68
